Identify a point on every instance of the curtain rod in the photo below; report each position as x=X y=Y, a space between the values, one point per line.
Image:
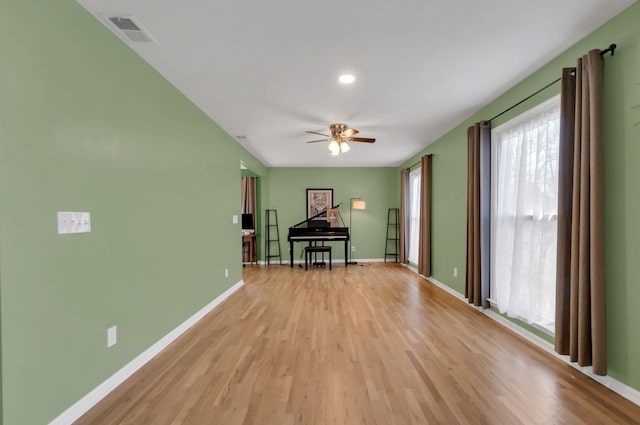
x=417 y=163
x=611 y=49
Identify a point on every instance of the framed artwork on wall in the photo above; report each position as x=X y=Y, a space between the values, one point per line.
x=318 y=200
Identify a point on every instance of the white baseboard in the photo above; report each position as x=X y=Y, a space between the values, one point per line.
x=614 y=385
x=338 y=261
x=83 y=405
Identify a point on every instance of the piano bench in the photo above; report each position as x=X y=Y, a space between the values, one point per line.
x=310 y=250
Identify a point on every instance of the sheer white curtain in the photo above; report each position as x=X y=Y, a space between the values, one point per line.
x=414 y=215
x=524 y=214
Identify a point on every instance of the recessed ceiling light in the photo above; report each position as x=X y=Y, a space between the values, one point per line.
x=347 y=79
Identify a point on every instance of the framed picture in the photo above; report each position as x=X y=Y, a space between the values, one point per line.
x=318 y=200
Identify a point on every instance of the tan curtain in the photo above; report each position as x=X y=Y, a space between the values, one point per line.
x=580 y=284
x=248 y=196
x=404 y=214
x=478 y=213
x=424 y=247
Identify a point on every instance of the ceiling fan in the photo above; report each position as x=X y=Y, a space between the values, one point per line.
x=340 y=135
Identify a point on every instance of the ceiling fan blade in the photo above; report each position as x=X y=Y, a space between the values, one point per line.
x=349 y=132
x=316 y=141
x=319 y=134
x=362 y=139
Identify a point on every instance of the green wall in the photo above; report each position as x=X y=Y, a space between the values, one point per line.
x=622 y=174
x=377 y=186
x=87 y=125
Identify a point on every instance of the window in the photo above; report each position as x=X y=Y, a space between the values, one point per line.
x=414 y=215
x=524 y=187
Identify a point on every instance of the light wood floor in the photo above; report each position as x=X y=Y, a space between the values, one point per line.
x=369 y=344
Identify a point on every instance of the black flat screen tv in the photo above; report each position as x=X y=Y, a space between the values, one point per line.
x=247 y=222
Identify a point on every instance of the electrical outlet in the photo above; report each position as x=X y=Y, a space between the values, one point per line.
x=112 y=336
x=226 y=272
x=353 y=249
x=455 y=272
x=234 y=219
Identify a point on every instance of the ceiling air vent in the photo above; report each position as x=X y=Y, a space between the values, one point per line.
x=130 y=29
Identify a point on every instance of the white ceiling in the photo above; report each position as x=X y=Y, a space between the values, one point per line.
x=268 y=70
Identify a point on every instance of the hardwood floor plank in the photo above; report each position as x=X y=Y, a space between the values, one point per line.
x=372 y=344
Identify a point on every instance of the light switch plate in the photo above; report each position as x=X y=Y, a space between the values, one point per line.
x=73 y=222
x=234 y=219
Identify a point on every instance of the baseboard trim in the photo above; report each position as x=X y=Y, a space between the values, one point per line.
x=335 y=261
x=613 y=384
x=83 y=405
x=367 y=260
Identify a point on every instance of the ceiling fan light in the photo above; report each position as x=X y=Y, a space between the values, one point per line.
x=347 y=79
x=344 y=147
x=334 y=147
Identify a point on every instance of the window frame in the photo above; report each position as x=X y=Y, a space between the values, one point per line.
x=414 y=221
x=518 y=121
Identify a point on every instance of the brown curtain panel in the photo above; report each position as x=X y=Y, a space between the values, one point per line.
x=580 y=283
x=404 y=214
x=478 y=213
x=424 y=247
x=248 y=196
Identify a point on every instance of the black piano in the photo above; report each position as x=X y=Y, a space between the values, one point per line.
x=316 y=229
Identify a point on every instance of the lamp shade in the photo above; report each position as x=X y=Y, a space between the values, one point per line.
x=358 y=204
x=334 y=147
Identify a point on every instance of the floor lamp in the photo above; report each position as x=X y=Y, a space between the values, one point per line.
x=354 y=204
